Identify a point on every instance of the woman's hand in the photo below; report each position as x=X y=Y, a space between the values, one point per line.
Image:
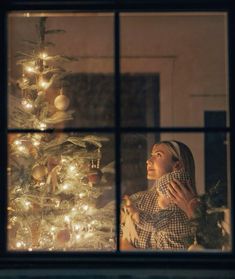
x=183 y=196
x=125 y=245
x=130 y=209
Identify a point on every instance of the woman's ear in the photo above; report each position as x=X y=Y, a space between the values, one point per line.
x=177 y=166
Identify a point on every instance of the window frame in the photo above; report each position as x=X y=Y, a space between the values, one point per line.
x=146 y=259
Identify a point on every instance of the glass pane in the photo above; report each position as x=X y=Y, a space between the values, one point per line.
x=61 y=192
x=174 y=68
x=153 y=216
x=60 y=70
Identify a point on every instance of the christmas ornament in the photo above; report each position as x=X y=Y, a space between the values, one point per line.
x=39 y=172
x=61 y=102
x=94 y=176
x=63 y=236
x=195 y=246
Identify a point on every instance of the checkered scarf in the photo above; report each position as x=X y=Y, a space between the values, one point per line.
x=163 y=229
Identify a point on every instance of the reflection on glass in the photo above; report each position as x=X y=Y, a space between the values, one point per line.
x=174 y=68
x=61 y=192
x=57 y=77
x=186 y=204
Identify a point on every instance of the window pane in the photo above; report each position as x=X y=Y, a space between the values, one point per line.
x=60 y=70
x=61 y=192
x=174 y=68
x=151 y=217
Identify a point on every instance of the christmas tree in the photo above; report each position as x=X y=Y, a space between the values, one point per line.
x=60 y=193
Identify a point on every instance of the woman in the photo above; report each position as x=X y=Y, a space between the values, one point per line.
x=159 y=223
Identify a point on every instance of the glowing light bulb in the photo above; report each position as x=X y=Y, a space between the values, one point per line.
x=30 y=249
x=21 y=148
x=17 y=142
x=72 y=168
x=42 y=126
x=29 y=69
x=36 y=143
x=52 y=229
x=27 y=104
x=85 y=207
x=78 y=237
x=82 y=195
x=19 y=244
x=43 y=84
x=67 y=218
x=43 y=55
x=65 y=186
x=77 y=227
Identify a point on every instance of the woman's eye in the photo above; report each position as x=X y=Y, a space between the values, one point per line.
x=158 y=154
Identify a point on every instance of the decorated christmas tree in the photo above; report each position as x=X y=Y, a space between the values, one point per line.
x=60 y=192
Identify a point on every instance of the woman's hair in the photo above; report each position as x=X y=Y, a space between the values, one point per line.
x=181 y=152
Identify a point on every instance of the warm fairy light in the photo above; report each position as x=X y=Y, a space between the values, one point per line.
x=27 y=104
x=43 y=84
x=65 y=186
x=78 y=237
x=72 y=168
x=42 y=126
x=30 y=249
x=82 y=195
x=85 y=207
x=53 y=229
x=19 y=244
x=77 y=227
x=30 y=69
x=21 y=148
x=67 y=219
x=36 y=142
x=17 y=142
x=43 y=55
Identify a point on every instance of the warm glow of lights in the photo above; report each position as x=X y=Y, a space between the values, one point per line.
x=30 y=69
x=82 y=195
x=72 y=168
x=27 y=104
x=19 y=244
x=17 y=142
x=85 y=207
x=67 y=218
x=21 y=148
x=43 y=55
x=77 y=227
x=43 y=84
x=65 y=186
x=42 y=126
x=78 y=237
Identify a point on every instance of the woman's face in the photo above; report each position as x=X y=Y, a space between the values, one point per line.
x=160 y=162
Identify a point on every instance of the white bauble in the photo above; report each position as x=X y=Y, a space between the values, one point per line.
x=61 y=102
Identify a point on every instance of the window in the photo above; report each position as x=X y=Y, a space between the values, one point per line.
x=88 y=95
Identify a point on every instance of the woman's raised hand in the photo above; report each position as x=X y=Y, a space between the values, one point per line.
x=183 y=196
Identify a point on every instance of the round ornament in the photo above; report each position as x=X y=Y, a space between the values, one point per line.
x=94 y=176
x=63 y=236
x=39 y=172
x=61 y=102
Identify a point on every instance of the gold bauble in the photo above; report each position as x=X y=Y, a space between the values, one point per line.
x=39 y=172
x=61 y=102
